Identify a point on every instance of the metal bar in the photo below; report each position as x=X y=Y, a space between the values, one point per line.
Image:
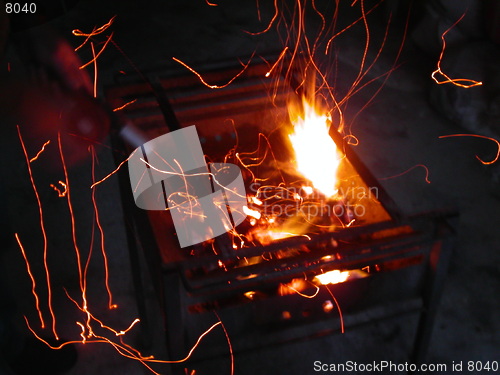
x=343 y=234
x=167 y=111
x=438 y=262
x=129 y=221
x=175 y=318
x=275 y=271
x=385 y=199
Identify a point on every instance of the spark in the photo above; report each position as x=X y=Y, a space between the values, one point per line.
x=33 y=282
x=277 y=61
x=211 y=4
x=245 y=66
x=40 y=152
x=94 y=32
x=262 y=138
x=184 y=179
x=351 y=138
x=111 y=305
x=52 y=346
x=231 y=354
x=44 y=235
x=92 y=317
x=125 y=105
x=341 y=316
x=123 y=332
x=276 y=13
x=97 y=31
x=408 y=170
x=60 y=193
x=190 y=353
x=114 y=171
x=349 y=26
x=121 y=349
x=460 y=82
x=256 y=201
x=183 y=175
x=362 y=73
x=95 y=57
x=302 y=294
x=73 y=223
x=478 y=136
x=95 y=69
x=82 y=334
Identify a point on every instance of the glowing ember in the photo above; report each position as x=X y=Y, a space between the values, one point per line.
x=307 y=189
x=332 y=277
x=273 y=234
x=316 y=154
x=250 y=212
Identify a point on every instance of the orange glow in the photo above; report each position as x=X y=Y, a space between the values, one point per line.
x=332 y=277
x=33 y=282
x=44 y=234
x=316 y=154
x=460 y=82
x=267 y=236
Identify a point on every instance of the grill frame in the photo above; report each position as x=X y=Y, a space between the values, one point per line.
x=432 y=238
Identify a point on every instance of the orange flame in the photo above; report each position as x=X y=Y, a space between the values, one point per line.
x=316 y=155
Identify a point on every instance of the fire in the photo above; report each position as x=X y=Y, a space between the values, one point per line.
x=316 y=154
x=332 y=277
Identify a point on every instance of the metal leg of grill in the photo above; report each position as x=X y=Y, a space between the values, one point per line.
x=437 y=269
